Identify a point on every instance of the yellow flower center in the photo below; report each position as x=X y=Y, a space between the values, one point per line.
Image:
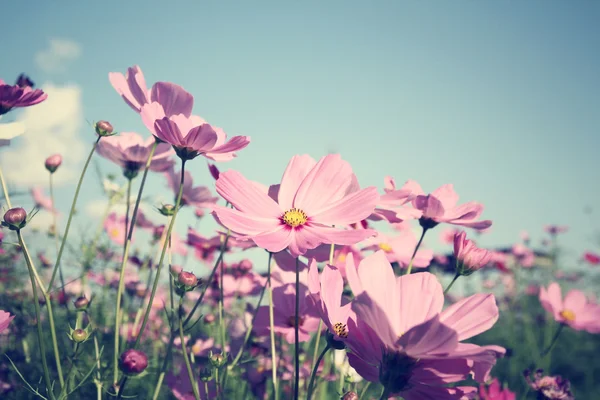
x=114 y=232
x=342 y=258
x=340 y=329
x=385 y=247
x=294 y=218
x=196 y=348
x=568 y=315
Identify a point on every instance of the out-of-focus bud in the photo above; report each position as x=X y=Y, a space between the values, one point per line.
x=23 y=81
x=218 y=360
x=206 y=374
x=209 y=318
x=79 y=335
x=81 y=303
x=53 y=162
x=214 y=171
x=133 y=362
x=167 y=210
x=350 y=396
x=104 y=128
x=187 y=279
x=15 y=218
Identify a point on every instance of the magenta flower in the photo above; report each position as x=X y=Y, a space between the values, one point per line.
x=591 y=258
x=130 y=151
x=284 y=298
x=441 y=207
x=195 y=196
x=400 y=249
x=5 y=319
x=190 y=135
x=17 y=96
x=549 y=387
x=574 y=310
x=469 y=257
x=410 y=345
x=494 y=391
x=311 y=198
x=41 y=200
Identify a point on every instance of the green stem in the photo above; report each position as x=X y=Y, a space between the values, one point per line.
x=384 y=394
x=272 y=330
x=124 y=264
x=162 y=257
x=364 y=390
x=4 y=189
x=98 y=380
x=409 y=269
x=186 y=359
x=451 y=283
x=71 y=213
x=221 y=305
x=553 y=342
x=314 y=372
x=38 y=324
x=127 y=204
x=297 y=334
x=122 y=388
x=60 y=270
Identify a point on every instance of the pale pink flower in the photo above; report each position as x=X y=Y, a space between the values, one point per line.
x=441 y=207
x=448 y=234
x=524 y=256
x=470 y=258
x=549 y=387
x=311 y=199
x=130 y=152
x=41 y=200
x=400 y=248
x=115 y=228
x=391 y=204
x=574 y=310
x=5 y=319
x=194 y=196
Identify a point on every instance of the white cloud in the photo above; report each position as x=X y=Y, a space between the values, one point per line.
x=57 y=57
x=53 y=126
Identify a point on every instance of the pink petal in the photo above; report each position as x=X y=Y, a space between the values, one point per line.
x=173 y=98
x=168 y=131
x=295 y=172
x=276 y=240
x=351 y=209
x=245 y=196
x=244 y=223
x=446 y=195
x=421 y=298
x=429 y=338
x=227 y=151
x=471 y=316
x=575 y=301
x=201 y=138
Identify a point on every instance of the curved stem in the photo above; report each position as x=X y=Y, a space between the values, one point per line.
x=54 y=222
x=553 y=342
x=162 y=258
x=314 y=371
x=71 y=213
x=38 y=324
x=409 y=269
x=272 y=330
x=186 y=359
x=296 y=334
x=124 y=263
x=384 y=394
x=364 y=390
x=451 y=283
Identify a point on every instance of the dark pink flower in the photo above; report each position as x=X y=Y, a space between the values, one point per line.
x=441 y=207
x=470 y=258
x=53 y=162
x=494 y=391
x=591 y=258
x=17 y=96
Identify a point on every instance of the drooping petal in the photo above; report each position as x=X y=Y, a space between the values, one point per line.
x=471 y=316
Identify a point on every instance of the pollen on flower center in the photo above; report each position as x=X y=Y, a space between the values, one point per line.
x=340 y=329
x=342 y=258
x=294 y=218
x=385 y=247
x=568 y=315
x=115 y=232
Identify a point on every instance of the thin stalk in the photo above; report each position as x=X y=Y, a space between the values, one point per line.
x=124 y=264
x=122 y=388
x=54 y=222
x=221 y=305
x=5 y=189
x=162 y=258
x=38 y=324
x=451 y=283
x=98 y=380
x=409 y=269
x=553 y=342
x=314 y=372
x=186 y=359
x=297 y=334
x=71 y=213
x=163 y=369
x=364 y=390
x=272 y=330
x=127 y=204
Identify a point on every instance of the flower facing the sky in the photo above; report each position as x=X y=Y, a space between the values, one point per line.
x=575 y=310
x=15 y=96
x=312 y=198
x=130 y=151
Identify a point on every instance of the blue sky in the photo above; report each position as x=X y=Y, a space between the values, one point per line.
x=500 y=98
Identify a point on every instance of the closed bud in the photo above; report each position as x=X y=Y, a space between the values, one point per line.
x=209 y=318
x=53 y=162
x=81 y=303
x=350 y=396
x=133 y=362
x=79 y=335
x=187 y=279
x=15 y=218
x=218 y=360
x=104 y=128
x=214 y=171
x=167 y=210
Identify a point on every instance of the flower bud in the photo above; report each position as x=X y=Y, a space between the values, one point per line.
x=469 y=257
x=350 y=396
x=79 y=335
x=81 y=303
x=23 y=81
x=104 y=128
x=167 y=210
x=53 y=162
x=15 y=218
x=187 y=279
x=218 y=360
x=214 y=171
x=133 y=362
x=209 y=318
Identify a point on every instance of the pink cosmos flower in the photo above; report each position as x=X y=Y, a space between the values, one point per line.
x=469 y=257
x=41 y=200
x=130 y=151
x=5 y=319
x=448 y=234
x=311 y=198
x=190 y=135
x=523 y=255
x=556 y=229
x=115 y=228
x=409 y=344
x=141 y=221
x=494 y=391
x=17 y=96
x=591 y=258
x=574 y=310
x=132 y=88
x=391 y=204
x=441 y=207
x=195 y=196
x=284 y=298
x=400 y=249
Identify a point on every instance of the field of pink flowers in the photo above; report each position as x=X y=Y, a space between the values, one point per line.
x=347 y=302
